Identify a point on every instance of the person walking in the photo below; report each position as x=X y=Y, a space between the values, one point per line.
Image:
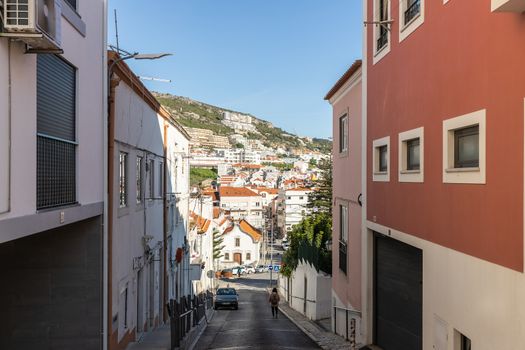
x=274 y=303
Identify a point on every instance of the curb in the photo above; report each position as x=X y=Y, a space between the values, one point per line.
x=304 y=330
x=199 y=334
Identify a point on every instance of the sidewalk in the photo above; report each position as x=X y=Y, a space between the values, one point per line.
x=159 y=339
x=325 y=339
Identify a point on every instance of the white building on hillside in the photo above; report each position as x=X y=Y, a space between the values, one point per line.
x=242 y=244
x=292 y=208
x=242 y=203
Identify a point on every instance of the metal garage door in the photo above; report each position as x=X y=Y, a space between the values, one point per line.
x=398 y=277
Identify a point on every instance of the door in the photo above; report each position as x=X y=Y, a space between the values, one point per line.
x=237 y=257
x=398 y=276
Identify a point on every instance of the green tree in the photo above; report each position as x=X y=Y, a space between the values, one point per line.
x=320 y=200
x=239 y=145
x=312 y=163
x=314 y=231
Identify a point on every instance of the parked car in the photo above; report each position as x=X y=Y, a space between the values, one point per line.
x=249 y=269
x=227 y=273
x=226 y=297
x=261 y=268
x=235 y=270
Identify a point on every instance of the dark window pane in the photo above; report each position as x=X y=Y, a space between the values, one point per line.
x=466 y=147
x=73 y=3
x=383 y=161
x=413 y=154
x=343 y=133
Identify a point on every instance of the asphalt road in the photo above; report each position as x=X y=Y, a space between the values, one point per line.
x=252 y=326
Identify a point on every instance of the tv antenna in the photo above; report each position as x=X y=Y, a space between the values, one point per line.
x=116 y=30
x=154 y=79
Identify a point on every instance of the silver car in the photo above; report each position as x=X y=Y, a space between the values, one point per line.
x=226 y=297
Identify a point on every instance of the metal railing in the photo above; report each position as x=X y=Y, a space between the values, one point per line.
x=350 y=320
x=56 y=172
x=382 y=40
x=187 y=313
x=412 y=11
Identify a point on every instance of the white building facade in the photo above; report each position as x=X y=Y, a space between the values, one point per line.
x=242 y=203
x=52 y=150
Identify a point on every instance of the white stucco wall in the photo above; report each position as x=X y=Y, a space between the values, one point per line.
x=87 y=54
x=247 y=245
x=245 y=208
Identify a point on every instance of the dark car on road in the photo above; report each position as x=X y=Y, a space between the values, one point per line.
x=226 y=297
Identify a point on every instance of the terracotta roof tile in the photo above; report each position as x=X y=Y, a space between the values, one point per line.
x=236 y=192
x=249 y=229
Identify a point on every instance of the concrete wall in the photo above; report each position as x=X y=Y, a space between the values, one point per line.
x=318 y=291
x=52 y=289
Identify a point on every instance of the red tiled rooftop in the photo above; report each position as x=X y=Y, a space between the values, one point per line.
x=236 y=192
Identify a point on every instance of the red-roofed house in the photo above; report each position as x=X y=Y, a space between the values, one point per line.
x=242 y=203
x=242 y=244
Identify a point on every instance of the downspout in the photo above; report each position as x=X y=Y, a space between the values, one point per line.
x=165 y=213
x=105 y=253
x=9 y=132
x=113 y=83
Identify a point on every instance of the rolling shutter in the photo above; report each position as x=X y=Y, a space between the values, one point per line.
x=398 y=276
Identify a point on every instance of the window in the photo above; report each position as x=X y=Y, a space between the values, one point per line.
x=464 y=147
x=248 y=256
x=73 y=3
x=411 y=155
x=343 y=134
x=237 y=242
x=289 y=197
x=257 y=204
x=461 y=341
x=343 y=237
x=151 y=179
x=161 y=179
x=412 y=15
x=301 y=197
x=56 y=132
x=226 y=256
x=123 y=180
x=126 y=308
x=413 y=8
x=382 y=39
x=138 y=179
x=381 y=159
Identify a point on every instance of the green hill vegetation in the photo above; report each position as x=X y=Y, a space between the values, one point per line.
x=195 y=114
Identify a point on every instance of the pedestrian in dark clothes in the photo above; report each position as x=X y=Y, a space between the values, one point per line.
x=274 y=303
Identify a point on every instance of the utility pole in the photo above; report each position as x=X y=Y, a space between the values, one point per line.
x=271 y=252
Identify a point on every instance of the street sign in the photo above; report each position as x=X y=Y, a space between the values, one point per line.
x=276 y=268
x=270 y=267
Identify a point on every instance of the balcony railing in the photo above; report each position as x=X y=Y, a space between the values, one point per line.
x=382 y=40
x=56 y=172
x=412 y=11
x=343 y=256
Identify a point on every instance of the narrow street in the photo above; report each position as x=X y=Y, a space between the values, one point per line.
x=252 y=326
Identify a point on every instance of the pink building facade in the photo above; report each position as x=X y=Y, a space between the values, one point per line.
x=444 y=143
x=346 y=100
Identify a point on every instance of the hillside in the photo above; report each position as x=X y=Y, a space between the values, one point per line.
x=221 y=121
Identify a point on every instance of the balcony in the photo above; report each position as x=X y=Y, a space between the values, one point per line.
x=517 y=6
x=56 y=172
x=412 y=11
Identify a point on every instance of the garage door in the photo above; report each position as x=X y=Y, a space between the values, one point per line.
x=398 y=276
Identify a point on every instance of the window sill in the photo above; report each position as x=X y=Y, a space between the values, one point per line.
x=410 y=172
x=462 y=170
x=380 y=51
x=380 y=172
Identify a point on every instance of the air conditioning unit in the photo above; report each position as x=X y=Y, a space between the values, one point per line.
x=35 y=22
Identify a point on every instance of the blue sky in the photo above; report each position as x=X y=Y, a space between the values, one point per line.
x=275 y=59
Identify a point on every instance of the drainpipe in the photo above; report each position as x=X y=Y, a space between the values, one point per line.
x=105 y=253
x=113 y=83
x=166 y=218
x=9 y=132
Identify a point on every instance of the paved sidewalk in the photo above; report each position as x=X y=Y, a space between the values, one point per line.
x=325 y=339
x=159 y=339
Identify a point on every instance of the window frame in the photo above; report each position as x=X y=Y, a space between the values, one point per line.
x=407 y=28
x=379 y=53
x=378 y=174
x=161 y=179
x=151 y=179
x=237 y=242
x=406 y=174
x=123 y=179
x=465 y=132
x=139 y=168
x=227 y=256
x=343 y=134
x=467 y=175
x=343 y=236
x=248 y=256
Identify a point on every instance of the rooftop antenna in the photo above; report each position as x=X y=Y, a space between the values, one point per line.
x=116 y=29
x=154 y=79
